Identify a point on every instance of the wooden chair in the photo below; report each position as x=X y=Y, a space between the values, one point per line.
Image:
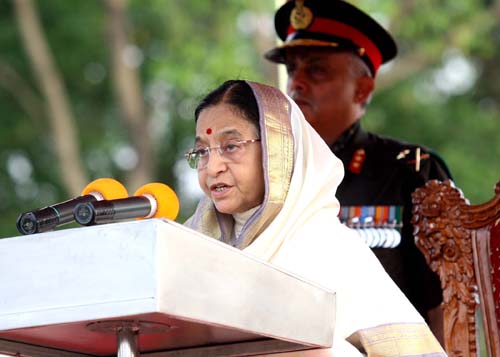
x=461 y=243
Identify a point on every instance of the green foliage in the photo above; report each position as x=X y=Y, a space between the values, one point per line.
x=461 y=124
x=187 y=47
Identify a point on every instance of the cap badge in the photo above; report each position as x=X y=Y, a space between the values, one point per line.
x=301 y=16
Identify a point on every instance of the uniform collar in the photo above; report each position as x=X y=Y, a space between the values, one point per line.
x=347 y=138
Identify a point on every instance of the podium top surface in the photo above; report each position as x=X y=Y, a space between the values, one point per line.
x=55 y=286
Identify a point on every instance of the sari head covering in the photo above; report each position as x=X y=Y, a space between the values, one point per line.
x=297 y=229
x=277 y=160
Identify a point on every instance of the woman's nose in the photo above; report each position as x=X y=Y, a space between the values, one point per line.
x=216 y=162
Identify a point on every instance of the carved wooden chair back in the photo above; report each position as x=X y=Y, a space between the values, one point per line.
x=461 y=243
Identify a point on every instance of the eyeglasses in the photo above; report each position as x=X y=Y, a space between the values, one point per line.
x=232 y=151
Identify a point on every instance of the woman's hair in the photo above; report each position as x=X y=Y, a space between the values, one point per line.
x=236 y=93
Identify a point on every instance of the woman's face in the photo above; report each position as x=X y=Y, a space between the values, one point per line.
x=235 y=183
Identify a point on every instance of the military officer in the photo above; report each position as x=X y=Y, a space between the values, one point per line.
x=332 y=51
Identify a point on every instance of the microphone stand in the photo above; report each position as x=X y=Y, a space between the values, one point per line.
x=127 y=333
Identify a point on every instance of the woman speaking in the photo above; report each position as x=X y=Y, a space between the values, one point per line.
x=270 y=182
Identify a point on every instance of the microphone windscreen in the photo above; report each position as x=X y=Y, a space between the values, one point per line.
x=166 y=199
x=108 y=188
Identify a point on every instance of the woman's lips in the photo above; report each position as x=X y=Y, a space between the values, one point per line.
x=219 y=190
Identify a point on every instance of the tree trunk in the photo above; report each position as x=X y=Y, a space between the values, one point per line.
x=57 y=106
x=128 y=91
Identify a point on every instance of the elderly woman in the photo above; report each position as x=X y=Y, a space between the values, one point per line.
x=270 y=184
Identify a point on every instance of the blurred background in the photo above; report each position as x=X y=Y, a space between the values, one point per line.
x=107 y=88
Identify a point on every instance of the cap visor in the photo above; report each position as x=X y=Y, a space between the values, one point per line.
x=277 y=54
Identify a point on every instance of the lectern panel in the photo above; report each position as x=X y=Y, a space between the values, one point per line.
x=55 y=284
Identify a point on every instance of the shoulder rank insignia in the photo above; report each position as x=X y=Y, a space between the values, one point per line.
x=410 y=161
x=301 y=16
x=357 y=161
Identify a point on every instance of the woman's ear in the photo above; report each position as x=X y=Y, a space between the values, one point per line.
x=364 y=88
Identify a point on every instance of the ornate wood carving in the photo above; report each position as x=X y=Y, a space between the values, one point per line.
x=486 y=263
x=495 y=268
x=447 y=248
x=445 y=226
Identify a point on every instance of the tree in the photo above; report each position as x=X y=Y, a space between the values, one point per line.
x=128 y=90
x=52 y=86
x=113 y=92
x=120 y=80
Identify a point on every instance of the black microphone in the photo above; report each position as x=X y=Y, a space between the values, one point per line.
x=153 y=200
x=47 y=218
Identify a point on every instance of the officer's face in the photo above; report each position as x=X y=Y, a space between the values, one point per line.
x=326 y=88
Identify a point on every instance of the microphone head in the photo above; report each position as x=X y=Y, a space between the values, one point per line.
x=108 y=188
x=166 y=199
x=27 y=223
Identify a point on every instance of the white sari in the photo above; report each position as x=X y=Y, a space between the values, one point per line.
x=297 y=229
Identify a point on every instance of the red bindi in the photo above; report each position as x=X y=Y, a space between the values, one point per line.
x=209 y=131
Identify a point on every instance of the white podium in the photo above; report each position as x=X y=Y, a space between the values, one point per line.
x=153 y=286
